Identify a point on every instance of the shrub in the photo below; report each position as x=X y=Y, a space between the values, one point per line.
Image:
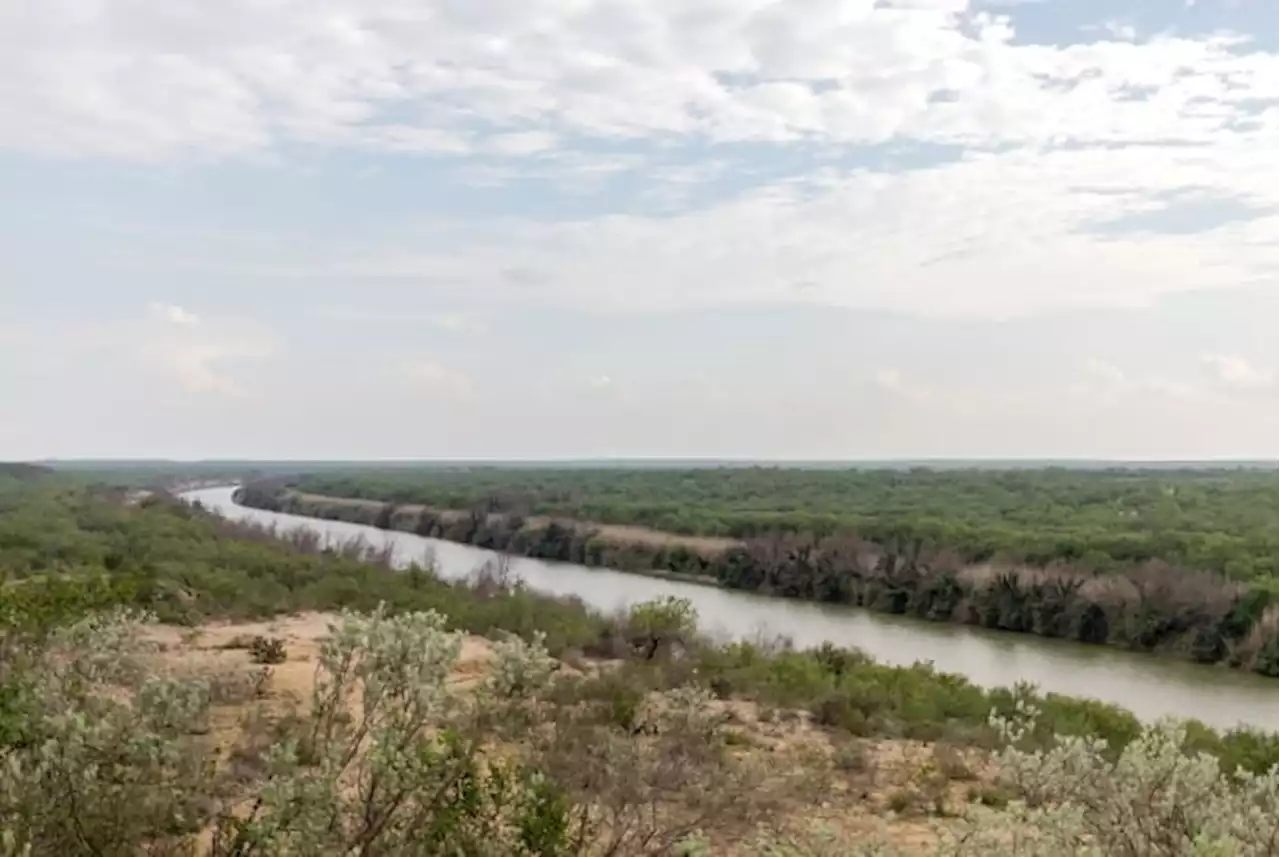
x=392 y=758
x=1151 y=799
x=656 y=627
x=267 y=651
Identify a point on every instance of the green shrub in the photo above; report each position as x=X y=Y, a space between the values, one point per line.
x=267 y=651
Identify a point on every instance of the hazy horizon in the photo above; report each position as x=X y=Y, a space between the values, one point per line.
x=832 y=230
x=623 y=462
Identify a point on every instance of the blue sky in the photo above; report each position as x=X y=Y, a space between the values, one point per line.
x=799 y=229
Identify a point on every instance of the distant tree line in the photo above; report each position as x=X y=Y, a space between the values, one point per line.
x=1221 y=520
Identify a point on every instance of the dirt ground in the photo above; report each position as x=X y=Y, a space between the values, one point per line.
x=621 y=534
x=872 y=785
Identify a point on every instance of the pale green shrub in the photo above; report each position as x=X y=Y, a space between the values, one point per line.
x=656 y=627
x=107 y=760
x=392 y=758
x=1076 y=798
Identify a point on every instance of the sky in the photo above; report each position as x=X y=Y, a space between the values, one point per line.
x=810 y=229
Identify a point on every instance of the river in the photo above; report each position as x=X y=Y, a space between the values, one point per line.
x=1147 y=685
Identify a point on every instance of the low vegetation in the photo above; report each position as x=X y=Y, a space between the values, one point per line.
x=582 y=735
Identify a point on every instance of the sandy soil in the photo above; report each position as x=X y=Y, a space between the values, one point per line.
x=617 y=533
x=865 y=778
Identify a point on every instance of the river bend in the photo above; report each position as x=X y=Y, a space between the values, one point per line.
x=1147 y=685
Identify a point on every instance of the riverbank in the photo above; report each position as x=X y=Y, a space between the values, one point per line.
x=890 y=689
x=636 y=550
x=1154 y=609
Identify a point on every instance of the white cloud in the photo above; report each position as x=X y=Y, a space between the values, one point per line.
x=166 y=344
x=200 y=360
x=456 y=322
x=173 y=314
x=1100 y=379
x=1018 y=225
x=157 y=80
x=196 y=367
x=453 y=322
x=435 y=377
x=1226 y=374
x=1236 y=374
x=1121 y=30
x=1103 y=373
x=521 y=143
x=891 y=380
x=1044 y=179
x=990 y=235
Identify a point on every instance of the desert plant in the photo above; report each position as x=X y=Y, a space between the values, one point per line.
x=1153 y=799
x=393 y=757
x=110 y=761
x=656 y=627
x=646 y=789
x=267 y=650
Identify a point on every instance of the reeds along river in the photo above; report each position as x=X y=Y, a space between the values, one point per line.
x=1147 y=685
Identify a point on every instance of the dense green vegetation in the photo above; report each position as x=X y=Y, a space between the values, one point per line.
x=1217 y=520
x=65 y=549
x=188 y=566
x=1176 y=562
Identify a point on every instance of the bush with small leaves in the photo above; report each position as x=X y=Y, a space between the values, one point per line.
x=676 y=772
x=267 y=650
x=394 y=757
x=1152 y=799
x=391 y=757
x=657 y=627
x=112 y=762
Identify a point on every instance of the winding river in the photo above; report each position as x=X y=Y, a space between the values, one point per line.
x=1149 y=686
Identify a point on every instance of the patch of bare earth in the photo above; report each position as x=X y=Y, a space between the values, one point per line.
x=629 y=535
x=249 y=697
x=617 y=534
x=889 y=788
x=223 y=650
x=896 y=790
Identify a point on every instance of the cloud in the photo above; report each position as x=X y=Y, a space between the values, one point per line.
x=196 y=367
x=912 y=156
x=456 y=322
x=987 y=235
x=428 y=375
x=173 y=314
x=183 y=78
x=1120 y=30
x=1236 y=374
x=532 y=185
x=891 y=380
x=453 y=322
x=1103 y=374
x=1103 y=381
x=199 y=357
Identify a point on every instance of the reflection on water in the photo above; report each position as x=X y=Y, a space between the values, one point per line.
x=1149 y=686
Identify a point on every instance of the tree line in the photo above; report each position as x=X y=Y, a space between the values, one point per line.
x=1221 y=519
